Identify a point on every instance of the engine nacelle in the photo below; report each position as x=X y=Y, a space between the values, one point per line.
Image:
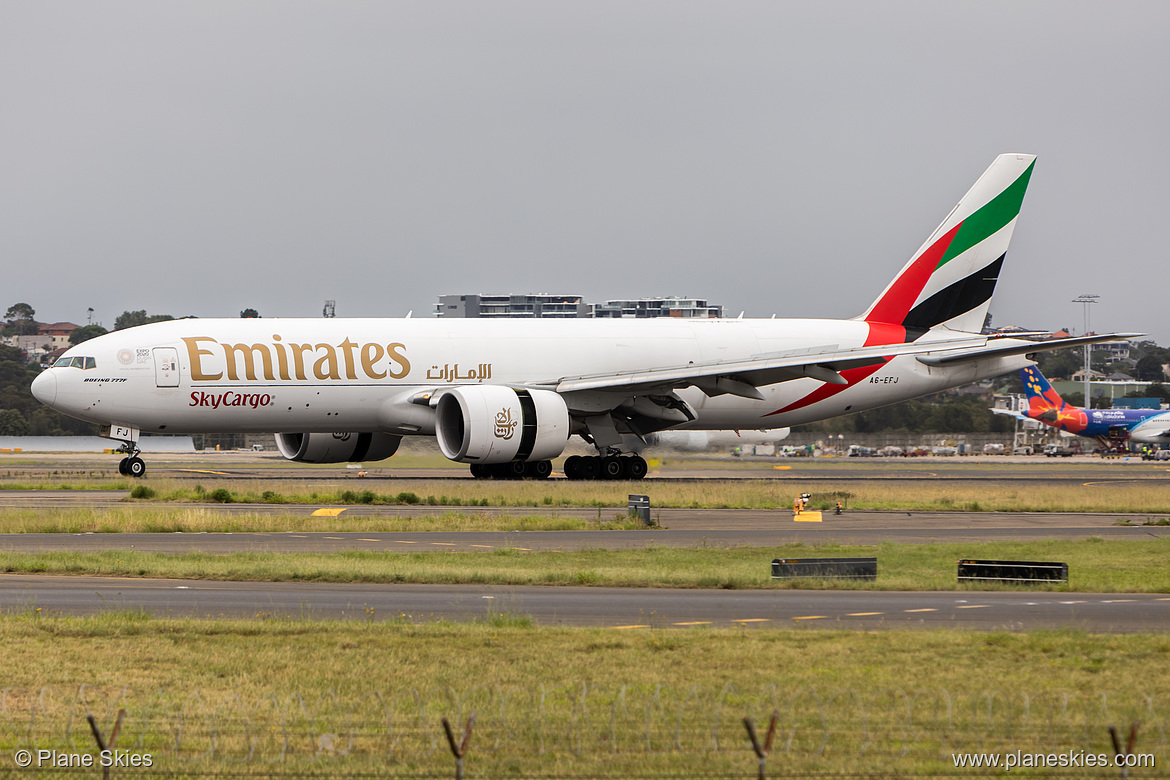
x=493 y=424
x=336 y=447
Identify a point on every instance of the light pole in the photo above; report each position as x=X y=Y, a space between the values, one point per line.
x=1086 y=300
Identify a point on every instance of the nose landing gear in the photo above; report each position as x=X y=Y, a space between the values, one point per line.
x=131 y=465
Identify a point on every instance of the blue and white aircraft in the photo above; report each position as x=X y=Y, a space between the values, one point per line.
x=1110 y=427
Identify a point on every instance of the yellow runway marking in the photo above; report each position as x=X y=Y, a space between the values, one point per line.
x=484 y=546
x=752 y=620
x=204 y=471
x=810 y=617
x=369 y=540
x=1166 y=599
x=332 y=511
x=297 y=536
x=339 y=538
x=973 y=606
x=403 y=541
x=864 y=614
x=929 y=609
x=445 y=544
x=619 y=628
x=694 y=623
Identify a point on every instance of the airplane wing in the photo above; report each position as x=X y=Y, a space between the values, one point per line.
x=1010 y=413
x=742 y=377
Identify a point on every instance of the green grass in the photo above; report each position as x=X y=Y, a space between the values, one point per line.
x=198 y=519
x=569 y=702
x=1094 y=566
x=1136 y=493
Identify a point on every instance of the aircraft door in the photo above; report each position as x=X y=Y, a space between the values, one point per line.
x=166 y=367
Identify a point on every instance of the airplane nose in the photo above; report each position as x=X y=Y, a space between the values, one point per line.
x=44 y=387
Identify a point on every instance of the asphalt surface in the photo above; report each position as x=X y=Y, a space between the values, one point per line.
x=613 y=608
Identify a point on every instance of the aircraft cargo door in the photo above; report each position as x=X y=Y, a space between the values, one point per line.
x=166 y=367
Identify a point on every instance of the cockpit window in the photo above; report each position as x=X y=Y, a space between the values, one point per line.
x=75 y=362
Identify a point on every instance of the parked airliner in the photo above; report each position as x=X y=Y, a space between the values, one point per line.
x=506 y=395
x=1112 y=428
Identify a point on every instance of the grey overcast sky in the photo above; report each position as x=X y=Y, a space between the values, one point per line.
x=775 y=157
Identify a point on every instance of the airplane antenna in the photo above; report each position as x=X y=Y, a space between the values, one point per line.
x=330 y=309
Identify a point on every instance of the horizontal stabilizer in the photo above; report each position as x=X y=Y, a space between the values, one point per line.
x=1022 y=349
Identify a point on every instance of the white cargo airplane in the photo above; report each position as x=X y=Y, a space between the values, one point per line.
x=505 y=395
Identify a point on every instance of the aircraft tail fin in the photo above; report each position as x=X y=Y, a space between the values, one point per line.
x=1040 y=392
x=1046 y=405
x=950 y=280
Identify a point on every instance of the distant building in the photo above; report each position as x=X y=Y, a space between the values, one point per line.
x=1118 y=350
x=532 y=305
x=58 y=333
x=544 y=305
x=686 y=308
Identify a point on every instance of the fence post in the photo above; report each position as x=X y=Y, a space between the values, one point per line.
x=459 y=750
x=1133 y=730
x=762 y=752
x=102 y=745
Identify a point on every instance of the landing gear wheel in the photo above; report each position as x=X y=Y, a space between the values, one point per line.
x=122 y=467
x=588 y=468
x=636 y=467
x=538 y=469
x=611 y=468
x=573 y=467
x=135 y=467
x=479 y=471
x=517 y=469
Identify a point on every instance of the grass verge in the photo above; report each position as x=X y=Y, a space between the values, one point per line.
x=1094 y=566
x=156 y=519
x=274 y=698
x=919 y=493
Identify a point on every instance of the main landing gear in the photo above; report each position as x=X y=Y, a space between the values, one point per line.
x=517 y=469
x=607 y=467
x=576 y=467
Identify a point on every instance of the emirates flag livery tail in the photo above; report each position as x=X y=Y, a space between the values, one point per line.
x=950 y=280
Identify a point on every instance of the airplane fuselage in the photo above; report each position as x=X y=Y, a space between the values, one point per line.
x=323 y=375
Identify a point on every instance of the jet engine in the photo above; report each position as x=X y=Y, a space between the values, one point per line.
x=336 y=447
x=494 y=424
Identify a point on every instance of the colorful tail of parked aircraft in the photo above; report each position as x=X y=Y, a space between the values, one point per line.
x=1112 y=428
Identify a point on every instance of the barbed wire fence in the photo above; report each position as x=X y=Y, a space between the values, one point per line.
x=816 y=732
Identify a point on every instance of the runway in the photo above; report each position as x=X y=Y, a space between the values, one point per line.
x=618 y=609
